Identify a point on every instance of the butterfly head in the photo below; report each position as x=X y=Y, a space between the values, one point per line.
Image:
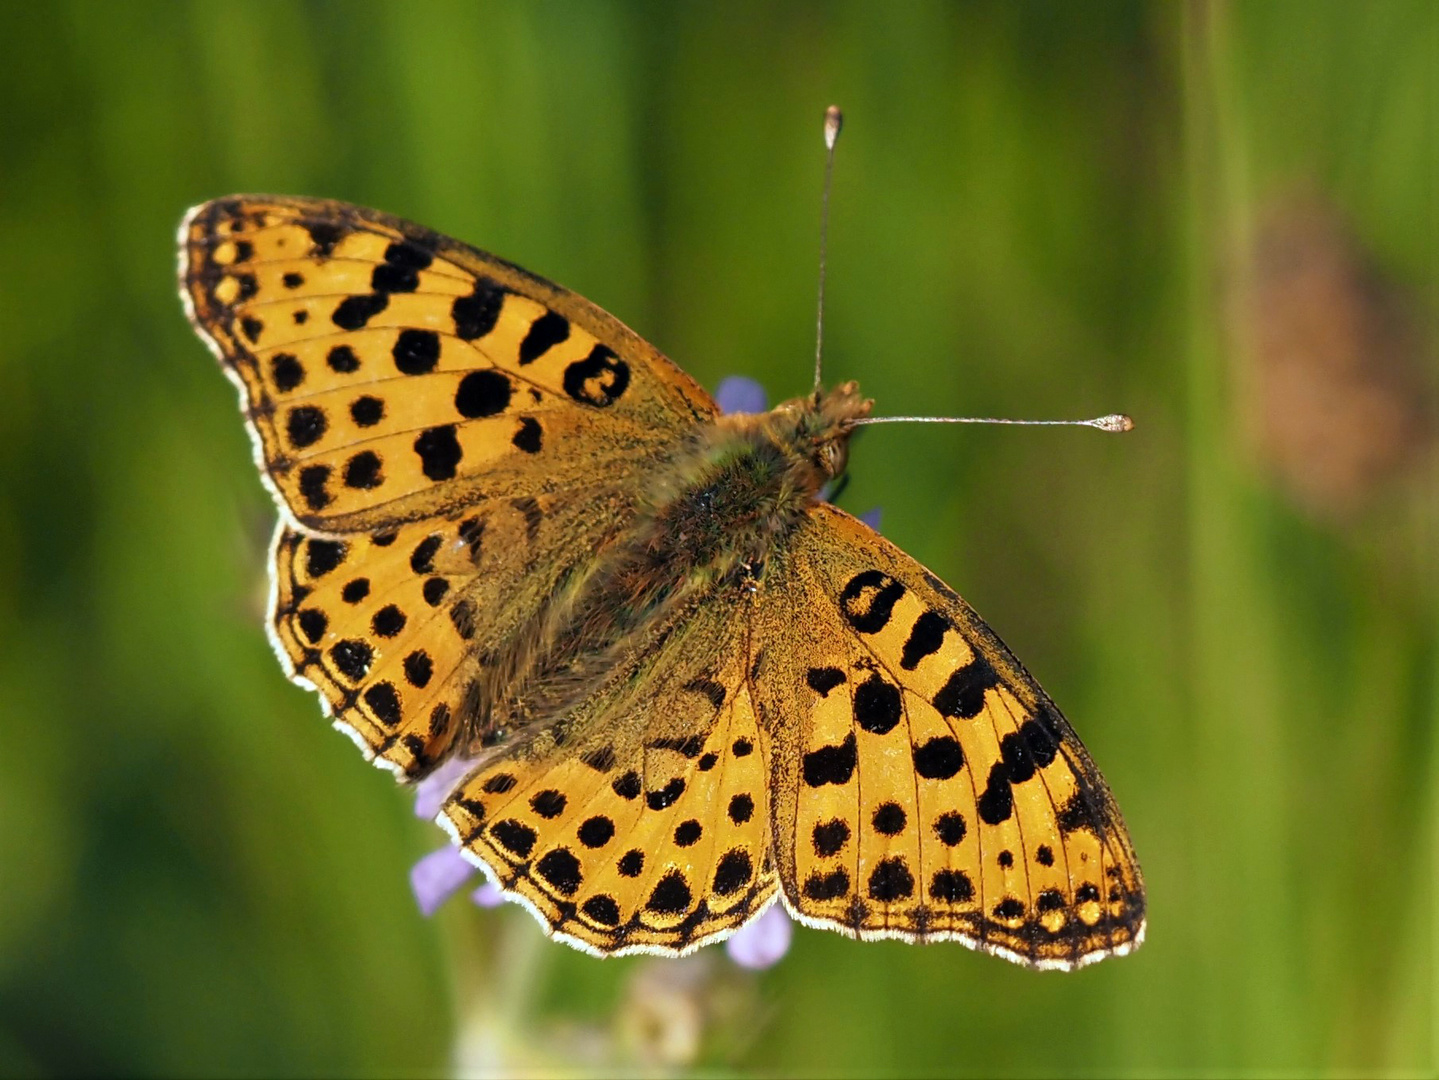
x=815 y=429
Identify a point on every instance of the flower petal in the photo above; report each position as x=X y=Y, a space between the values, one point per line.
x=433 y=790
x=488 y=895
x=738 y=394
x=435 y=878
x=763 y=942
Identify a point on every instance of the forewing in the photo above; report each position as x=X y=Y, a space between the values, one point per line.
x=640 y=822
x=389 y=373
x=925 y=786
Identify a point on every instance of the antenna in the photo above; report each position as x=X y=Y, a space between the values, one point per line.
x=833 y=122
x=1114 y=422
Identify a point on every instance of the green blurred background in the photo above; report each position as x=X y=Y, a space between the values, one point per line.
x=1218 y=217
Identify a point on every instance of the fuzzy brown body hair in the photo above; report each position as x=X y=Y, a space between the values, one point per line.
x=737 y=487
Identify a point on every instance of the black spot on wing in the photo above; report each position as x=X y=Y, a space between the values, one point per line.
x=824 y=679
x=628 y=785
x=889 y=819
x=324 y=235
x=600 y=379
x=830 y=886
x=687 y=833
x=422 y=559
x=733 y=872
x=1009 y=908
x=939 y=758
x=476 y=315
x=1049 y=900
x=362 y=471
x=561 y=869
x=602 y=909
x=322 y=556
x=962 y=695
x=482 y=393
x=925 y=638
x=891 y=880
x=418 y=668
x=499 y=783
x=439 y=452
x=305 y=425
x=950 y=828
x=388 y=621
x=313 y=624
x=1077 y=813
x=831 y=764
x=596 y=832
x=997 y=802
x=514 y=836
x=385 y=703
x=951 y=887
x=342 y=360
x=876 y=705
x=631 y=863
x=741 y=808
x=367 y=411
x=352 y=658
x=671 y=896
x=416 y=352
x=666 y=796
x=548 y=803
x=868 y=600
x=286 y=371
x=530 y=436
x=829 y=837
x=462 y=618
x=389 y=278
x=439 y=720
x=354 y=312
x=549 y=330
x=314 y=486
x=408 y=254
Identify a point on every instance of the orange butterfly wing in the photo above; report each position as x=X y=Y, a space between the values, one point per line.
x=925 y=787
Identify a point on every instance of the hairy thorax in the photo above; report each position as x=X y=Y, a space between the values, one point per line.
x=736 y=489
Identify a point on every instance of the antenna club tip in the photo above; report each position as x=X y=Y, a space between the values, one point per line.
x=833 y=123
x=1116 y=422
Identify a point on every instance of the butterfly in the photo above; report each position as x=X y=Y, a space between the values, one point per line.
x=510 y=529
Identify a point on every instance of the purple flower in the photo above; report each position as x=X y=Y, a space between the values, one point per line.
x=433 y=790
x=443 y=872
x=436 y=877
x=738 y=394
x=762 y=942
x=488 y=895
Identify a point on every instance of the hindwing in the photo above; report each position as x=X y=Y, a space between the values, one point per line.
x=640 y=821
x=925 y=786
